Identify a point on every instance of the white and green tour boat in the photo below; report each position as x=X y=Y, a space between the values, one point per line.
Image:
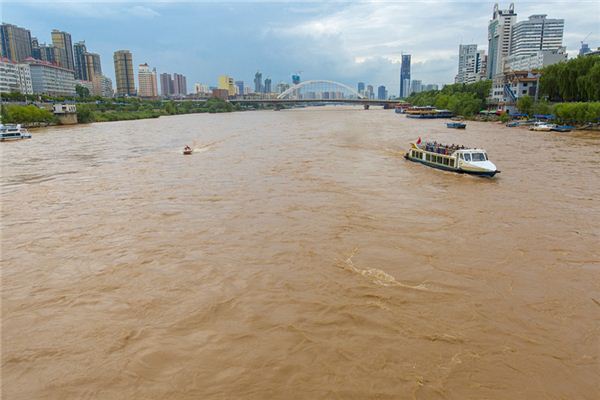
x=452 y=158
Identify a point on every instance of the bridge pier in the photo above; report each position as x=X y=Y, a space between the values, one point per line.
x=366 y=106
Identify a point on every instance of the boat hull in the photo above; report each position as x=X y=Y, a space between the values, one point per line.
x=451 y=169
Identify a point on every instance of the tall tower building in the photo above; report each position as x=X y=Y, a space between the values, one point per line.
x=537 y=33
x=267 y=88
x=499 y=38
x=147 y=81
x=381 y=93
x=124 y=73
x=361 y=87
x=240 y=87
x=79 y=51
x=92 y=65
x=36 y=52
x=179 y=84
x=166 y=85
x=15 y=42
x=405 y=76
x=258 y=85
x=62 y=41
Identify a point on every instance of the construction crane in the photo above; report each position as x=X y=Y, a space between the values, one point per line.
x=587 y=36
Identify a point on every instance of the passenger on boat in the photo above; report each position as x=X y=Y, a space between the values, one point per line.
x=187 y=148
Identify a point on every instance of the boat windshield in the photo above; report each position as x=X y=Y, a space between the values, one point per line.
x=479 y=157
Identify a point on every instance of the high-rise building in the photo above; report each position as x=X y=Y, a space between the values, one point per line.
x=102 y=86
x=471 y=64
x=429 y=87
x=536 y=33
x=15 y=77
x=499 y=38
x=381 y=93
x=44 y=52
x=124 y=73
x=369 y=93
x=15 y=42
x=93 y=66
x=405 y=76
x=166 y=85
x=79 y=51
x=147 y=81
x=179 y=84
x=267 y=88
x=584 y=49
x=227 y=83
x=361 y=87
x=240 y=87
x=416 y=86
x=296 y=79
x=62 y=41
x=258 y=85
x=36 y=53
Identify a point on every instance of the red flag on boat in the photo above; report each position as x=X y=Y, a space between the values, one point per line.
x=419 y=140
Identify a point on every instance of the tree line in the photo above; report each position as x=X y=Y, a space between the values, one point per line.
x=575 y=80
x=460 y=98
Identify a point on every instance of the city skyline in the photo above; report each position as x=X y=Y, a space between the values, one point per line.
x=323 y=40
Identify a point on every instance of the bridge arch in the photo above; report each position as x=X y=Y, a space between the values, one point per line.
x=302 y=90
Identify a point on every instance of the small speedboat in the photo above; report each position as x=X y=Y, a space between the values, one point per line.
x=187 y=151
x=456 y=125
x=542 y=126
x=13 y=132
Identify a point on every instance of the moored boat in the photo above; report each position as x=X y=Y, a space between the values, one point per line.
x=456 y=125
x=187 y=150
x=563 y=128
x=13 y=132
x=453 y=158
x=542 y=127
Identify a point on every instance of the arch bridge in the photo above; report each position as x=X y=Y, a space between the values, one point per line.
x=317 y=91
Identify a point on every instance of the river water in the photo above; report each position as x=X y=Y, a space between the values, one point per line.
x=296 y=254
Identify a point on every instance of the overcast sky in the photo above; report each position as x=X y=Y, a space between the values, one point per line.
x=342 y=41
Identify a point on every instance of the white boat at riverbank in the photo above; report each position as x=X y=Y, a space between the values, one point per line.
x=472 y=161
x=542 y=126
x=13 y=132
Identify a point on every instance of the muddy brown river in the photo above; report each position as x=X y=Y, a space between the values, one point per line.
x=298 y=255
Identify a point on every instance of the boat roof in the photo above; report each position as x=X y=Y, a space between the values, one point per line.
x=466 y=149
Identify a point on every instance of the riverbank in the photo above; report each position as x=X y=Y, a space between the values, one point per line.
x=106 y=110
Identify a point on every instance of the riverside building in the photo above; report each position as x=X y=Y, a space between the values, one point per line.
x=15 y=77
x=51 y=79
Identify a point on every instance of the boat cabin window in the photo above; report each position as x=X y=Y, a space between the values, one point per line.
x=478 y=157
x=467 y=157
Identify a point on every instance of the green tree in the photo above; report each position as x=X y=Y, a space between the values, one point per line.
x=84 y=114
x=82 y=91
x=525 y=104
